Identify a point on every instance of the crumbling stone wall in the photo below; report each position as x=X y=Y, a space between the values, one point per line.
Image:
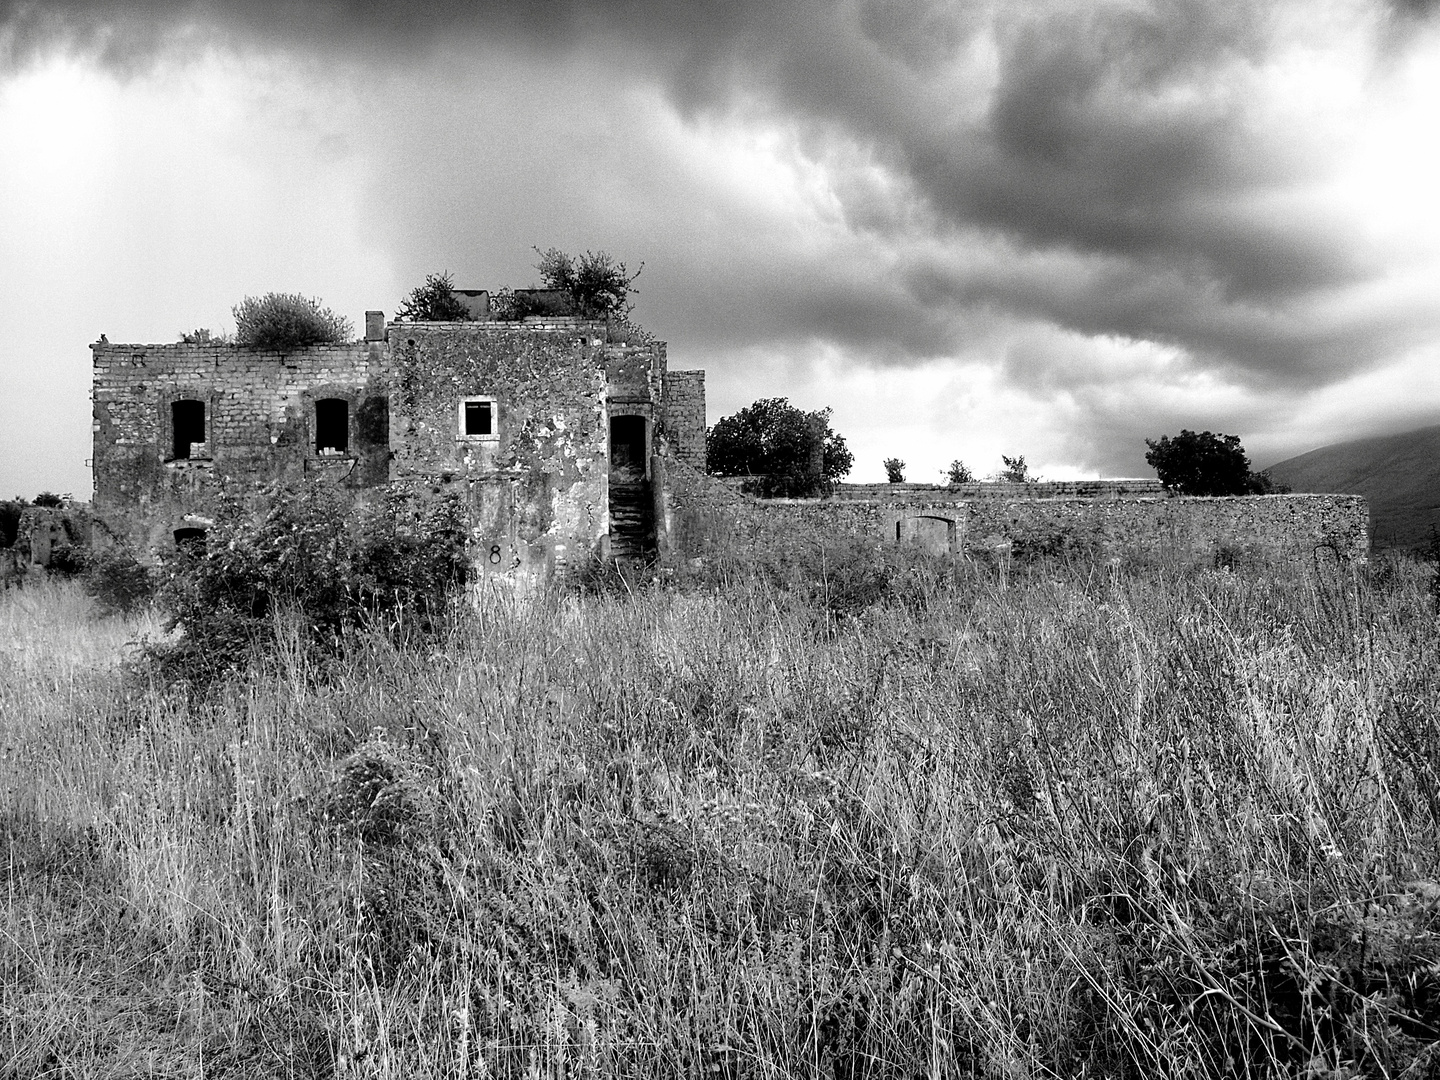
x=703 y=514
x=684 y=418
x=536 y=484
x=53 y=535
x=259 y=426
x=535 y=479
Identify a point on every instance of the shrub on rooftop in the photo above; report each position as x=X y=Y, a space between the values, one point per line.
x=284 y=321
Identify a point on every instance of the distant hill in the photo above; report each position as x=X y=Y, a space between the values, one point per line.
x=1398 y=474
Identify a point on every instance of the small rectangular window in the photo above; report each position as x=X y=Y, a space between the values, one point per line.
x=187 y=423
x=332 y=426
x=478 y=418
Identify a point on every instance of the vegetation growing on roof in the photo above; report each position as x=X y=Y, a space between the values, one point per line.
x=280 y=322
x=434 y=301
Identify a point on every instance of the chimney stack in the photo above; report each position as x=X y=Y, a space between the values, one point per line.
x=374 y=326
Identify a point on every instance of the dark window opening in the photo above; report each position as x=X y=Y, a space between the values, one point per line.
x=332 y=426
x=190 y=541
x=187 y=421
x=479 y=418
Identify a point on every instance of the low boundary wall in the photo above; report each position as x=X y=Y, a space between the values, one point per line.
x=701 y=511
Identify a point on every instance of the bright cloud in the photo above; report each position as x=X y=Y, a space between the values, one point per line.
x=1017 y=227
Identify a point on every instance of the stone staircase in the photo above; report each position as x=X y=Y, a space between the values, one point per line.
x=632 y=520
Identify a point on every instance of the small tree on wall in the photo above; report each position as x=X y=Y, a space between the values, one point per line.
x=434 y=301
x=1015 y=471
x=894 y=470
x=598 y=285
x=957 y=473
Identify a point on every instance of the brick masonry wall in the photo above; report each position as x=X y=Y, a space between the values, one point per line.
x=703 y=514
x=684 y=416
x=259 y=426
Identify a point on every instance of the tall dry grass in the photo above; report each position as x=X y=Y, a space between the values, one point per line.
x=1058 y=822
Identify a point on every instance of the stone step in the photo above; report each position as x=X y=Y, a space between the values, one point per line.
x=632 y=525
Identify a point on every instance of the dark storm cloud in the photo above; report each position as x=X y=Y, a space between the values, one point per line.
x=1117 y=153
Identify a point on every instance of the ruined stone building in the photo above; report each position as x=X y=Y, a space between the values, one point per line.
x=556 y=439
x=566 y=446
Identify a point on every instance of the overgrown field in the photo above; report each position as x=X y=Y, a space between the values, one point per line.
x=1064 y=821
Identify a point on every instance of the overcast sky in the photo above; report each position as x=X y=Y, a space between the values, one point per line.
x=1039 y=227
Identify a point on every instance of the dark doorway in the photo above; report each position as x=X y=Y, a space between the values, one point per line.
x=187 y=422
x=332 y=426
x=190 y=542
x=627 y=448
x=632 y=511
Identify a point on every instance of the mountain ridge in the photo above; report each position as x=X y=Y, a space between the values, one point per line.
x=1399 y=475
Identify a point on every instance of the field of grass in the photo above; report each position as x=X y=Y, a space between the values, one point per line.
x=1065 y=821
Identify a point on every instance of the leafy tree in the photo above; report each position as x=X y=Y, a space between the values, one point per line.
x=284 y=321
x=50 y=499
x=1205 y=463
x=1262 y=483
x=598 y=286
x=894 y=470
x=789 y=451
x=958 y=473
x=1015 y=471
x=435 y=301
x=836 y=460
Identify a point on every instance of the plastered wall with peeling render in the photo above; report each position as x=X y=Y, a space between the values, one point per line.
x=536 y=484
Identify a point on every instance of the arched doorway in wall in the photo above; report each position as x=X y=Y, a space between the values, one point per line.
x=936 y=535
x=632 y=509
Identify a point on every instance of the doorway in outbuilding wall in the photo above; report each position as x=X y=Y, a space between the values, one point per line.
x=632 y=509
